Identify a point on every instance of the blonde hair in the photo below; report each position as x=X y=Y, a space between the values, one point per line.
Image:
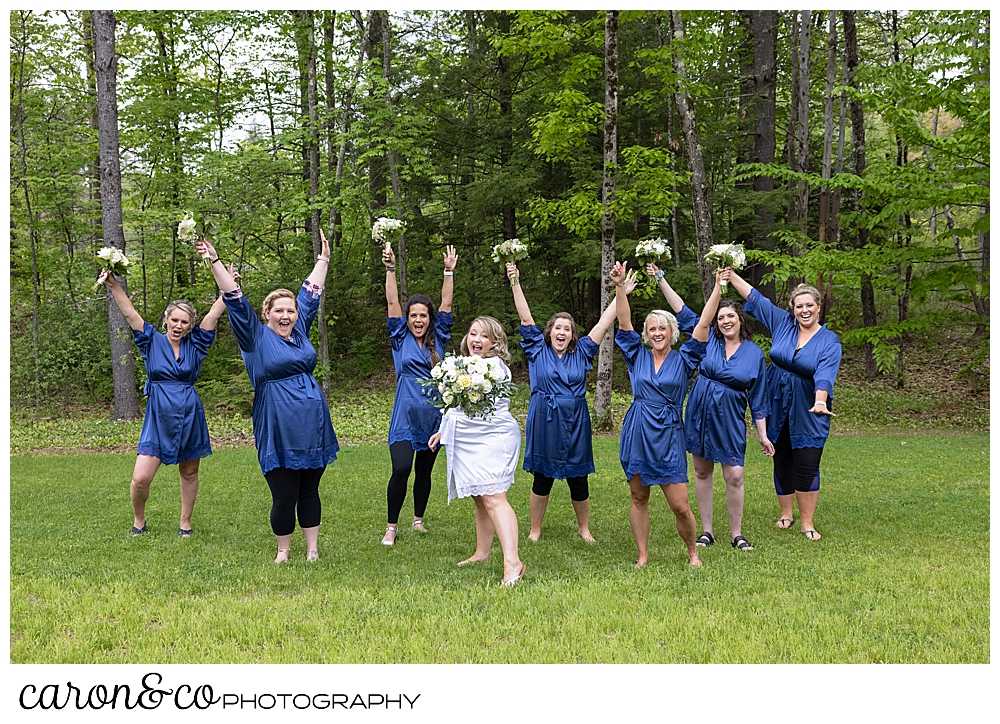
x=495 y=334
x=185 y=307
x=270 y=299
x=663 y=318
x=805 y=289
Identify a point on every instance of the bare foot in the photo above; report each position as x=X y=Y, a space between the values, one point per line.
x=696 y=561
x=643 y=560
x=585 y=534
x=282 y=555
x=509 y=582
x=473 y=559
x=312 y=555
x=533 y=536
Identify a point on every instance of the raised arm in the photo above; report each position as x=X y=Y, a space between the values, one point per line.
x=391 y=291
x=222 y=276
x=700 y=332
x=672 y=297
x=318 y=275
x=135 y=321
x=739 y=284
x=211 y=319
x=448 y=285
x=519 y=301
x=608 y=317
x=622 y=310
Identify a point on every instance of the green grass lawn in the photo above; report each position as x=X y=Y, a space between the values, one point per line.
x=901 y=575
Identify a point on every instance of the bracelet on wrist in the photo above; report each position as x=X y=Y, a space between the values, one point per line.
x=214 y=260
x=391 y=269
x=659 y=275
x=323 y=258
x=819 y=402
x=449 y=273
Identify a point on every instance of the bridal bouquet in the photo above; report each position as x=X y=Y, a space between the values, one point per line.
x=469 y=383
x=721 y=256
x=190 y=230
x=511 y=251
x=384 y=230
x=650 y=251
x=114 y=261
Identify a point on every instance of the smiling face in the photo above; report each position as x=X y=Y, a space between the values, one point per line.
x=728 y=322
x=806 y=311
x=658 y=333
x=418 y=319
x=178 y=323
x=477 y=341
x=561 y=336
x=282 y=315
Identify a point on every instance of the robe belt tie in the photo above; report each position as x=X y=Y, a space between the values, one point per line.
x=552 y=402
x=165 y=383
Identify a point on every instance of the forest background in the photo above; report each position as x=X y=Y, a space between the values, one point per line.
x=846 y=149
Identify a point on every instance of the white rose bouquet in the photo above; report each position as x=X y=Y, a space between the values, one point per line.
x=722 y=255
x=190 y=230
x=512 y=250
x=469 y=383
x=114 y=261
x=650 y=251
x=385 y=229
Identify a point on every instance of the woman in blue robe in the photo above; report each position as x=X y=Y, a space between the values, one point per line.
x=418 y=338
x=174 y=431
x=731 y=376
x=558 y=437
x=652 y=441
x=805 y=358
x=291 y=420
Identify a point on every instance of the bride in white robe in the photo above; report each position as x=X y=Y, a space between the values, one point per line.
x=482 y=456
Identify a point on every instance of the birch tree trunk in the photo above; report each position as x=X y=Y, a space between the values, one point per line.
x=696 y=164
x=764 y=26
x=106 y=68
x=602 y=396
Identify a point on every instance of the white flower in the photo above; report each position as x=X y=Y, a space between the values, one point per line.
x=384 y=228
x=652 y=249
x=510 y=250
x=186 y=230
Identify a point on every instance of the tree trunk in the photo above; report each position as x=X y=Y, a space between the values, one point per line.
x=505 y=100
x=764 y=27
x=106 y=67
x=696 y=164
x=802 y=126
x=602 y=396
x=19 y=113
x=393 y=165
x=831 y=78
x=793 y=117
x=868 y=316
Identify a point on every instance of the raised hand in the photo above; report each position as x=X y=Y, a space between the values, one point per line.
x=512 y=271
x=631 y=281
x=652 y=270
x=388 y=257
x=204 y=246
x=618 y=272
x=450 y=258
x=232 y=272
x=325 y=249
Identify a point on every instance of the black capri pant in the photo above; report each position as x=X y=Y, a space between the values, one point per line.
x=291 y=490
x=795 y=470
x=579 y=490
x=403 y=460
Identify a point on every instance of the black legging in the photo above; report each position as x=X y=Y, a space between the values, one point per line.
x=578 y=488
x=402 y=455
x=291 y=489
x=795 y=470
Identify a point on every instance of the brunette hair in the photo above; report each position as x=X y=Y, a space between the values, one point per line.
x=430 y=336
x=547 y=334
x=496 y=335
x=270 y=299
x=663 y=318
x=745 y=332
x=185 y=307
x=805 y=289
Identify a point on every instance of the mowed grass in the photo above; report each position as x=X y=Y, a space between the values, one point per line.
x=901 y=575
